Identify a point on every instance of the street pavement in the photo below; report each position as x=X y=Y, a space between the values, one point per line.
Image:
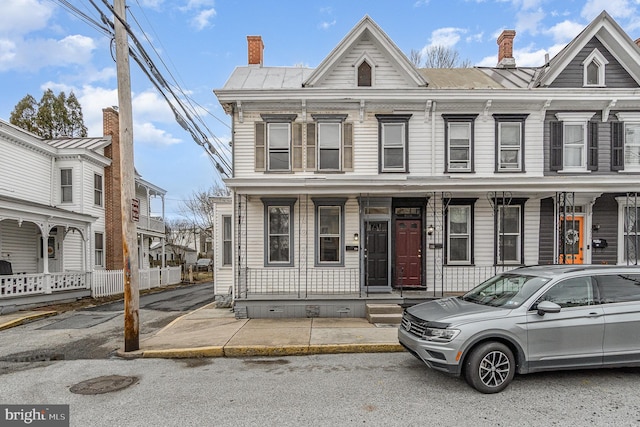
x=215 y=332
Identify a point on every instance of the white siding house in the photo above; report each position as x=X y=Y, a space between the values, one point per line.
x=368 y=178
x=56 y=215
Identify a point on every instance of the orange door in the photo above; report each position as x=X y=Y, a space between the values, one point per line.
x=571 y=244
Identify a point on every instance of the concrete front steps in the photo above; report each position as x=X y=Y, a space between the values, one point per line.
x=384 y=313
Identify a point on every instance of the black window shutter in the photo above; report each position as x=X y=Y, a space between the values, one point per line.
x=592 y=149
x=555 y=160
x=617 y=146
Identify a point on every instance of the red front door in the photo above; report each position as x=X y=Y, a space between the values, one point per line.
x=408 y=249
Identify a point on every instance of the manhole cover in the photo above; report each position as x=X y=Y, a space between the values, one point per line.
x=105 y=384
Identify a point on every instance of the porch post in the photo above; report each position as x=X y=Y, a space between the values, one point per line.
x=45 y=260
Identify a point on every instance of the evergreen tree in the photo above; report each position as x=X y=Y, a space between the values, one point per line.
x=24 y=114
x=52 y=117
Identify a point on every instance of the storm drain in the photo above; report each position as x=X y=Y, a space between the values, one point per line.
x=32 y=357
x=104 y=384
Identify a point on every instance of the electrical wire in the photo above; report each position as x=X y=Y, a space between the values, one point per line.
x=185 y=113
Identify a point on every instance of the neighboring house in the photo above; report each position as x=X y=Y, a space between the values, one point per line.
x=60 y=215
x=368 y=176
x=173 y=254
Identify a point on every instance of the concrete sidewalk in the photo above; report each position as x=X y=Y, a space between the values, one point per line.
x=215 y=332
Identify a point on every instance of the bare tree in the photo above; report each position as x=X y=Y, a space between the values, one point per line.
x=179 y=234
x=415 y=57
x=199 y=209
x=439 y=57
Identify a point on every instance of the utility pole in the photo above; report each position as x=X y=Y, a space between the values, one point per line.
x=127 y=181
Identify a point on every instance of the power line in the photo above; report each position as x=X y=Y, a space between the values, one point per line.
x=186 y=114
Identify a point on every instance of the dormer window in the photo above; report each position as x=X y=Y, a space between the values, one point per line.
x=364 y=74
x=593 y=69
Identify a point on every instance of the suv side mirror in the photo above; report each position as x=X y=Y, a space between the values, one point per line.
x=548 y=307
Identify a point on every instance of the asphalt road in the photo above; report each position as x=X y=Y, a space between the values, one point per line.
x=392 y=389
x=96 y=332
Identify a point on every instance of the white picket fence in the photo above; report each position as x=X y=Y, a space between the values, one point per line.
x=111 y=282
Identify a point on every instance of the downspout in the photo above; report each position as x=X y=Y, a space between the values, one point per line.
x=433 y=138
x=52 y=181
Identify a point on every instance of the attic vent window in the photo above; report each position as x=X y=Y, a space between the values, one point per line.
x=364 y=74
x=594 y=68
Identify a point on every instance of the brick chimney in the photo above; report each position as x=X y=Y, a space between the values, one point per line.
x=637 y=42
x=255 y=50
x=113 y=254
x=505 y=49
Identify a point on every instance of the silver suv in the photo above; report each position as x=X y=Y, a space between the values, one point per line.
x=527 y=320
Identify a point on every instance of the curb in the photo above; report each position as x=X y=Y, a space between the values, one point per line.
x=260 y=350
x=26 y=319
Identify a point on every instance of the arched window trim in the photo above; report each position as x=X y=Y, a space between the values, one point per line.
x=356 y=65
x=597 y=58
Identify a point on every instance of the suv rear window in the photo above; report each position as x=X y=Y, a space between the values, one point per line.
x=619 y=288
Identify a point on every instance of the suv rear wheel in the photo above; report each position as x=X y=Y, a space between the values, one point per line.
x=490 y=367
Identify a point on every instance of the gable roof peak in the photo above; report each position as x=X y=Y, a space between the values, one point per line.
x=366 y=26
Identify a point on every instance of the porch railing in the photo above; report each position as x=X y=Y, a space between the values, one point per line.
x=297 y=283
x=102 y=283
x=460 y=279
x=18 y=285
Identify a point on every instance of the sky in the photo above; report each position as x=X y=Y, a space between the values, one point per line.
x=196 y=44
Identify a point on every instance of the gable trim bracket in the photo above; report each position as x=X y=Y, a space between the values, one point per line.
x=606 y=110
x=240 y=112
x=487 y=106
x=362 y=109
x=545 y=107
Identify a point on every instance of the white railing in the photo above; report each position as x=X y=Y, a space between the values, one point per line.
x=18 y=285
x=151 y=223
x=111 y=282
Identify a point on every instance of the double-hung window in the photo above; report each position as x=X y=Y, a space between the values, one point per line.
x=226 y=240
x=97 y=190
x=278 y=231
x=66 y=185
x=459 y=231
x=333 y=142
x=459 y=139
x=625 y=142
x=574 y=143
x=509 y=232
x=393 y=135
x=274 y=143
x=329 y=231
x=509 y=142
x=99 y=249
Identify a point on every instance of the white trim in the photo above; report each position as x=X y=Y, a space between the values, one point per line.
x=595 y=57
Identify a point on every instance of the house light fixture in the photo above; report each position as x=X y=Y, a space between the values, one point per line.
x=430 y=229
x=356 y=237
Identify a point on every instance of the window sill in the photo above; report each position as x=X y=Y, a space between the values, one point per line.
x=574 y=171
x=328 y=172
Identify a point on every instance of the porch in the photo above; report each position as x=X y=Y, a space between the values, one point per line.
x=337 y=292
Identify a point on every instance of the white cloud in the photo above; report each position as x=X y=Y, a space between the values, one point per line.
x=35 y=54
x=149 y=106
x=20 y=17
x=325 y=25
x=147 y=133
x=197 y=4
x=203 y=19
x=615 y=8
x=565 y=31
x=447 y=37
x=526 y=57
x=529 y=21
